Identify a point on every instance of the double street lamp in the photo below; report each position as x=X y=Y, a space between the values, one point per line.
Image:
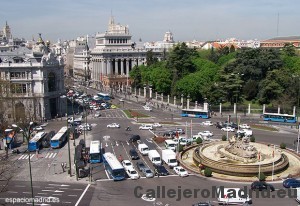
x=27 y=133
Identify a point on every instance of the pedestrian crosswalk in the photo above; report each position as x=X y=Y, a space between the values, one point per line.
x=49 y=155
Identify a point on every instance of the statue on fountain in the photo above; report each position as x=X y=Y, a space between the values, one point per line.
x=241 y=147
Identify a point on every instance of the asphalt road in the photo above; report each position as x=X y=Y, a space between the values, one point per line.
x=107 y=192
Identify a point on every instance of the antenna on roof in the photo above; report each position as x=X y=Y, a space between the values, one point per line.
x=277 y=24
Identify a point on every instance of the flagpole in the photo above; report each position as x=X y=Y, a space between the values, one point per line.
x=273 y=154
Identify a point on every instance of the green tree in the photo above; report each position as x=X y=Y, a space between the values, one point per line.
x=207 y=172
x=289 y=49
x=150 y=58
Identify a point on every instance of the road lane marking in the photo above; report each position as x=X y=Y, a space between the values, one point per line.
x=87 y=187
x=50 y=155
x=47 y=155
x=12 y=192
x=107 y=174
x=72 y=195
x=54 y=155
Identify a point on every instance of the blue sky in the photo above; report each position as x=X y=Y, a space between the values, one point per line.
x=150 y=19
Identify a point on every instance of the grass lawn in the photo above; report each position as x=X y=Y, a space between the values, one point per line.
x=264 y=127
x=133 y=114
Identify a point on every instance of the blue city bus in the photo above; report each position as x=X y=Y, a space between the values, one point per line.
x=36 y=142
x=104 y=96
x=114 y=168
x=95 y=152
x=59 y=138
x=197 y=113
x=275 y=117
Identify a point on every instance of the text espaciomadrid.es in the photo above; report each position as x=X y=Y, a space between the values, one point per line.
x=214 y=192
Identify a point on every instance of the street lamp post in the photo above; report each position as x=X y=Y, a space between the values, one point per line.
x=68 y=135
x=26 y=133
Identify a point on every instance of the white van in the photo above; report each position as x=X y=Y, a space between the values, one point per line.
x=143 y=149
x=170 y=144
x=154 y=157
x=232 y=196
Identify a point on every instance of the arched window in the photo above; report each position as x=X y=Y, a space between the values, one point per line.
x=51 y=82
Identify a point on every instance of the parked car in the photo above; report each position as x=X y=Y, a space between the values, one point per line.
x=170 y=134
x=219 y=125
x=180 y=131
x=133 y=154
x=148 y=173
x=38 y=128
x=228 y=129
x=146 y=127
x=291 y=183
x=132 y=173
x=207 y=123
x=147 y=108
x=127 y=164
x=202 y=204
x=258 y=185
x=206 y=134
x=156 y=125
x=161 y=170
x=134 y=138
x=245 y=126
x=113 y=125
x=97 y=114
x=180 y=171
x=141 y=166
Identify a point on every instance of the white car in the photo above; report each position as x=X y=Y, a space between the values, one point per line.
x=132 y=173
x=44 y=125
x=244 y=126
x=147 y=108
x=146 y=126
x=127 y=164
x=246 y=132
x=113 y=125
x=206 y=134
x=97 y=114
x=207 y=123
x=38 y=128
x=121 y=100
x=228 y=129
x=180 y=171
x=156 y=125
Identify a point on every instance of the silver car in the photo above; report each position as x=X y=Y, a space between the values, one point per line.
x=148 y=173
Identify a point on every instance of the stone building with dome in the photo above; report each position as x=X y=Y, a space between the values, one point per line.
x=32 y=82
x=115 y=54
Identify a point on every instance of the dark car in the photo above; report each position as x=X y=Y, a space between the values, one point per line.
x=257 y=185
x=134 y=138
x=291 y=183
x=133 y=154
x=141 y=166
x=161 y=170
x=219 y=125
x=169 y=134
x=202 y=204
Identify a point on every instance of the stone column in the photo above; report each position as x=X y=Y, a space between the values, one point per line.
x=150 y=89
x=175 y=100
x=220 y=110
x=196 y=104
x=122 y=67
x=278 y=109
x=109 y=67
x=188 y=102
x=135 y=91
x=156 y=95
x=234 y=108
x=116 y=67
x=168 y=99
x=139 y=91
x=181 y=101
x=162 y=97
x=249 y=108
x=144 y=92
x=264 y=108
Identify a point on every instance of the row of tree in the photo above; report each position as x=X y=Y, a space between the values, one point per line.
x=225 y=75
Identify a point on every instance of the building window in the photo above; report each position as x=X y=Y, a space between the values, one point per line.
x=18 y=88
x=17 y=75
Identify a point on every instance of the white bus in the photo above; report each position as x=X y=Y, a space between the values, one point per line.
x=36 y=142
x=95 y=152
x=113 y=166
x=59 y=138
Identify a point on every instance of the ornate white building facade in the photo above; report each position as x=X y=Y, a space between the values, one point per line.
x=114 y=56
x=32 y=83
